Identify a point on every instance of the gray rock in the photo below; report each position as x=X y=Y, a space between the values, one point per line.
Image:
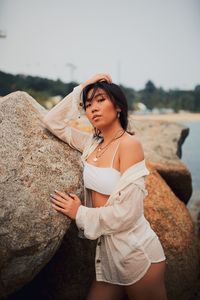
x=162 y=142
x=32 y=164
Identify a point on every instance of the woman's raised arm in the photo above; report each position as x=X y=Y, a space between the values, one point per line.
x=58 y=119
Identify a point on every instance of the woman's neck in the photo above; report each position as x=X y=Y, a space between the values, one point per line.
x=109 y=132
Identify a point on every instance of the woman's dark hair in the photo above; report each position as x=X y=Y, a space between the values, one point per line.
x=116 y=96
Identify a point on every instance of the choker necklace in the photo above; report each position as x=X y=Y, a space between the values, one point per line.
x=100 y=150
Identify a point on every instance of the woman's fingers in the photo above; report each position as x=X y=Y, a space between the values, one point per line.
x=61 y=194
x=109 y=78
x=104 y=76
x=58 y=203
x=58 y=208
x=68 y=205
x=74 y=196
x=60 y=200
x=98 y=77
x=101 y=77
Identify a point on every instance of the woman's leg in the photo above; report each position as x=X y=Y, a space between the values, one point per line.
x=102 y=290
x=151 y=286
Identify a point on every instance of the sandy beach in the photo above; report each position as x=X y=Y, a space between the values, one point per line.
x=172 y=117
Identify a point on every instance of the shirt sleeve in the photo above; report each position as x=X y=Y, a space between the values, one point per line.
x=58 y=119
x=120 y=216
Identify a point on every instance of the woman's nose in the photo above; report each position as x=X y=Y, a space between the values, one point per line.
x=94 y=107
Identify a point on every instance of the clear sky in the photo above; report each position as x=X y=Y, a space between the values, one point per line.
x=133 y=40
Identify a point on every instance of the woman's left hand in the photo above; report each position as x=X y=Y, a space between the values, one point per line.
x=68 y=205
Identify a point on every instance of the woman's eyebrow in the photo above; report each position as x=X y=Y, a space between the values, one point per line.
x=95 y=96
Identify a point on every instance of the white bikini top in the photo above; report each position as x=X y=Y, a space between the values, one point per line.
x=100 y=179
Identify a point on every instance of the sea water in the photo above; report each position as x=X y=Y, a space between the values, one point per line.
x=191 y=158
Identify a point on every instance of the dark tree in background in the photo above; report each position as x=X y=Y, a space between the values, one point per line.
x=42 y=89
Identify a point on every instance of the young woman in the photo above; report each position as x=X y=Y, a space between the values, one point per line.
x=129 y=256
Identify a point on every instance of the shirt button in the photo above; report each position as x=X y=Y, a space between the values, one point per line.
x=98 y=260
x=99 y=243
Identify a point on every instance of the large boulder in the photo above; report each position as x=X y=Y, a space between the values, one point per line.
x=172 y=222
x=32 y=164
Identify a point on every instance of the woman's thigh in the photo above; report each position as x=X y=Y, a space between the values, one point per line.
x=102 y=290
x=151 y=286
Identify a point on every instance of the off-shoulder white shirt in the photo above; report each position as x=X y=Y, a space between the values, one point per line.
x=126 y=243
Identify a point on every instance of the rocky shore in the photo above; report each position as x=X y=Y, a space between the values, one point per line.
x=193 y=206
x=41 y=254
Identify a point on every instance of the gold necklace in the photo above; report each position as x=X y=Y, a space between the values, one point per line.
x=99 y=149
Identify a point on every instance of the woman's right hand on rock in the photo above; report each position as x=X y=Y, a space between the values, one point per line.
x=97 y=77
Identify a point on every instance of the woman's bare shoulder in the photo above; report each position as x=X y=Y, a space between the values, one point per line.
x=130 y=151
x=131 y=141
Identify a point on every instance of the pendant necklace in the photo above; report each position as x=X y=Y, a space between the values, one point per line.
x=100 y=150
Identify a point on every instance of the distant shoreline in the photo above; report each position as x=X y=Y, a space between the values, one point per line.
x=172 y=117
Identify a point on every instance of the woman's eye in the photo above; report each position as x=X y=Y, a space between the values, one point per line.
x=99 y=100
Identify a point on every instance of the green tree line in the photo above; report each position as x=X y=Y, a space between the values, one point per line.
x=42 y=89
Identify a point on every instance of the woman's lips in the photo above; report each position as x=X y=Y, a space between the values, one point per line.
x=96 y=118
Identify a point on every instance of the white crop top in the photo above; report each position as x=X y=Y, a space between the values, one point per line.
x=102 y=180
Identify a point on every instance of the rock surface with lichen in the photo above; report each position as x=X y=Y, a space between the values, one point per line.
x=32 y=164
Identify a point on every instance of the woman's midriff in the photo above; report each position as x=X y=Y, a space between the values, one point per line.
x=98 y=199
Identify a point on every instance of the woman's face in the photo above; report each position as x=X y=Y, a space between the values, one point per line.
x=100 y=110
